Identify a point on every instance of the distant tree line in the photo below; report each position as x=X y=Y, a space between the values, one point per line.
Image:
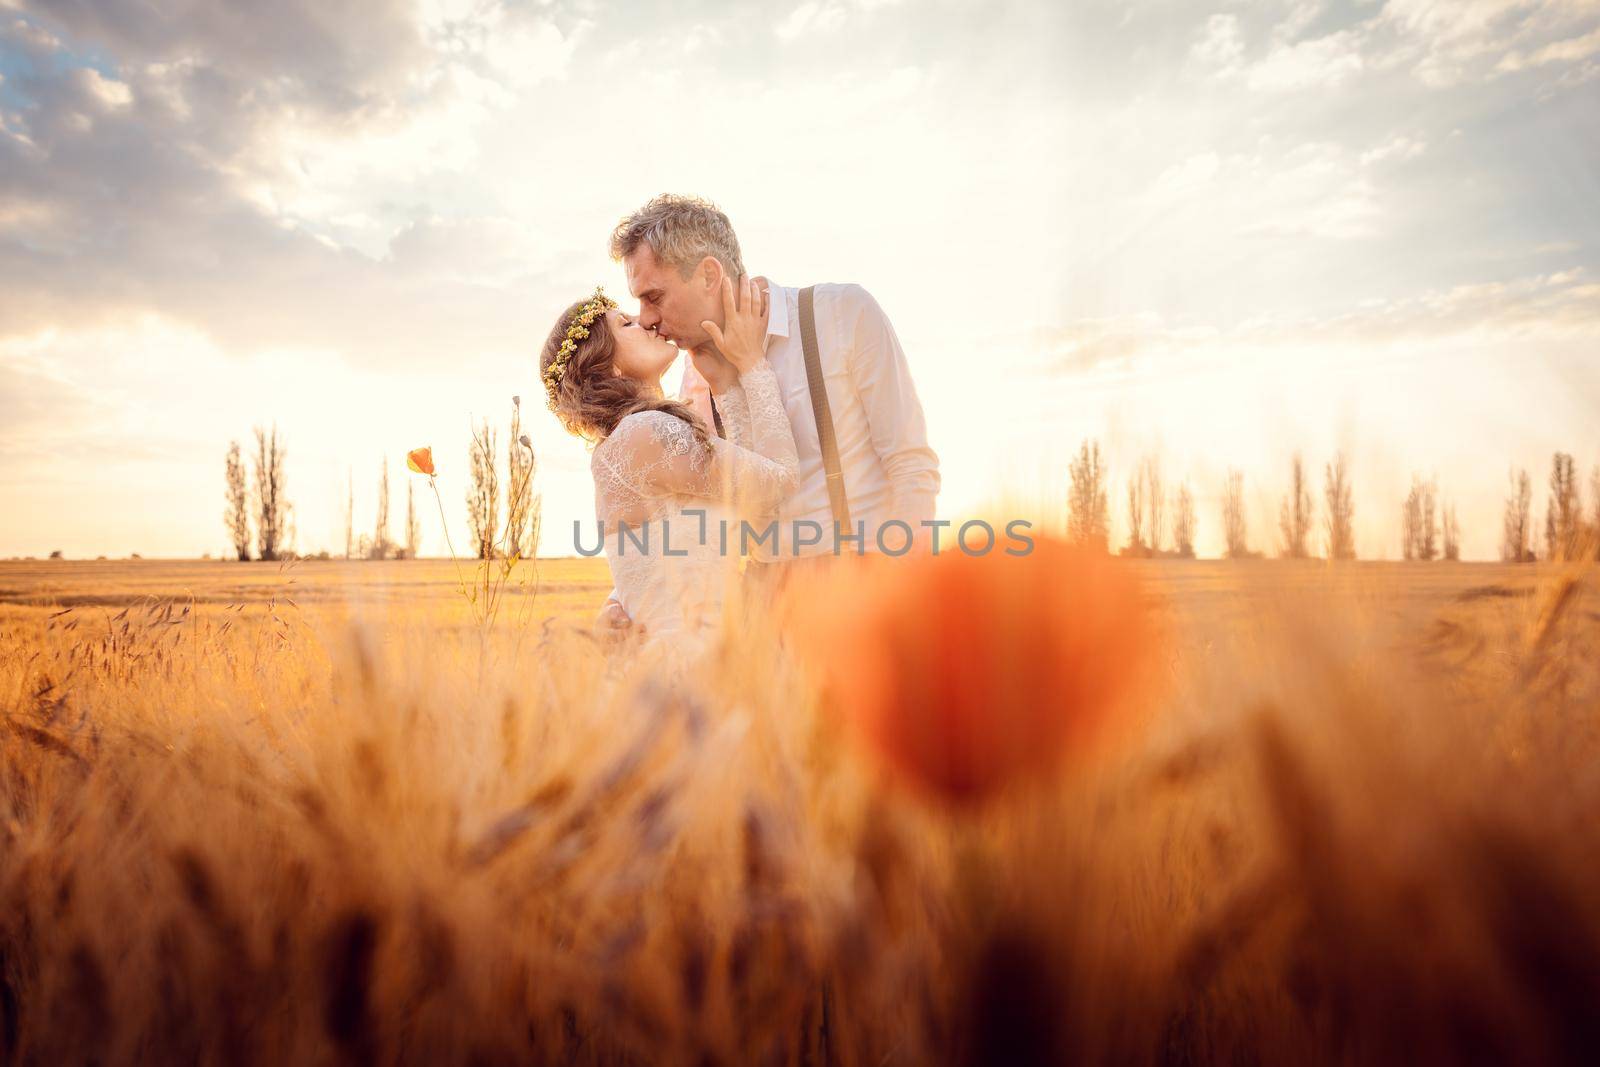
x=1568 y=533
x=1089 y=513
x=1162 y=525
x=259 y=500
x=258 y=513
x=379 y=544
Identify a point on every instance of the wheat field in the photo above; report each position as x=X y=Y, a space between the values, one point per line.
x=315 y=813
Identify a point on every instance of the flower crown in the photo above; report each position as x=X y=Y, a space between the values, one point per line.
x=577 y=330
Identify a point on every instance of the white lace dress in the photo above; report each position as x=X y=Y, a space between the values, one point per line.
x=662 y=500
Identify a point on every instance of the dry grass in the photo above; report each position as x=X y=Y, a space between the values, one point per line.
x=264 y=822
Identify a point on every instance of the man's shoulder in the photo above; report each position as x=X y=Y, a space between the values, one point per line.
x=842 y=291
x=849 y=298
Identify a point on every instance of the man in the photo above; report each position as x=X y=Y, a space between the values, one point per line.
x=676 y=251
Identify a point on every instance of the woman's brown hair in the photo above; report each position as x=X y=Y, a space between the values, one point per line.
x=589 y=400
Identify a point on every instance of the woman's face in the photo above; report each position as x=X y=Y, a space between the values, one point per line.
x=640 y=354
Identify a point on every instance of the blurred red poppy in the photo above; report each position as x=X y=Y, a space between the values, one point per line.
x=421 y=460
x=966 y=673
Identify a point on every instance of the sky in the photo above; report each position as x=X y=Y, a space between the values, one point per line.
x=1215 y=234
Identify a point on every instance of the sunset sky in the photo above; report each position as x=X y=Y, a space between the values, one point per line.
x=1217 y=234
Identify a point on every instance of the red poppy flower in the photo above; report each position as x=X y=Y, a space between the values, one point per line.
x=966 y=673
x=421 y=460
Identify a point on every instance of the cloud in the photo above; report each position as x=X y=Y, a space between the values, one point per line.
x=1322 y=63
x=221 y=175
x=1316 y=189
x=1182 y=179
x=332 y=59
x=1562 y=304
x=1557 y=306
x=1399 y=147
x=1449 y=41
x=1219 y=45
x=1439 y=43
x=112 y=93
x=813 y=16
x=31 y=39
x=75 y=408
x=1118 y=345
x=1569 y=50
x=1290 y=64
x=824 y=16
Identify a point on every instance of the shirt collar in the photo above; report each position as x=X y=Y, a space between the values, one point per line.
x=777 y=311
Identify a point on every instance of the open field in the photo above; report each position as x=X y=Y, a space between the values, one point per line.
x=560 y=586
x=1212 y=592
x=315 y=814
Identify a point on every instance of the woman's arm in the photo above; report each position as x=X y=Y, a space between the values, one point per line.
x=663 y=453
x=734 y=408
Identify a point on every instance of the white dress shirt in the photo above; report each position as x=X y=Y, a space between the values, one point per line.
x=890 y=472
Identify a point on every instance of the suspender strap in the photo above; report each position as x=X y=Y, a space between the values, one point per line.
x=820 y=409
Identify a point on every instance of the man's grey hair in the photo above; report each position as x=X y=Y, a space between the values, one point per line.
x=681 y=231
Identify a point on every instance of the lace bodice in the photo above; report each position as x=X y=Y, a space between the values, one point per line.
x=670 y=567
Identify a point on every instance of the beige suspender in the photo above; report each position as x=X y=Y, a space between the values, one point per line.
x=823 y=415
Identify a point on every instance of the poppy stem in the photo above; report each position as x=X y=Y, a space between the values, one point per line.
x=460 y=580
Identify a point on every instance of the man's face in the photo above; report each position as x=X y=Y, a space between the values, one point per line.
x=670 y=304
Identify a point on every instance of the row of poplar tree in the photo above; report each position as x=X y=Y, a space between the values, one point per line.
x=260 y=519
x=1162 y=524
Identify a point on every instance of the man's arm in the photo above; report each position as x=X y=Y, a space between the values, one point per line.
x=899 y=433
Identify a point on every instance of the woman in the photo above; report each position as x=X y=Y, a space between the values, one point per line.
x=665 y=488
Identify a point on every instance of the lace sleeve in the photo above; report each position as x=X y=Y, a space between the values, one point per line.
x=661 y=454
x=766 y=419
x=734 y=407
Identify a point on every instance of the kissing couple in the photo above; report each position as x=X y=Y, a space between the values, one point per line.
x=796 y=436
